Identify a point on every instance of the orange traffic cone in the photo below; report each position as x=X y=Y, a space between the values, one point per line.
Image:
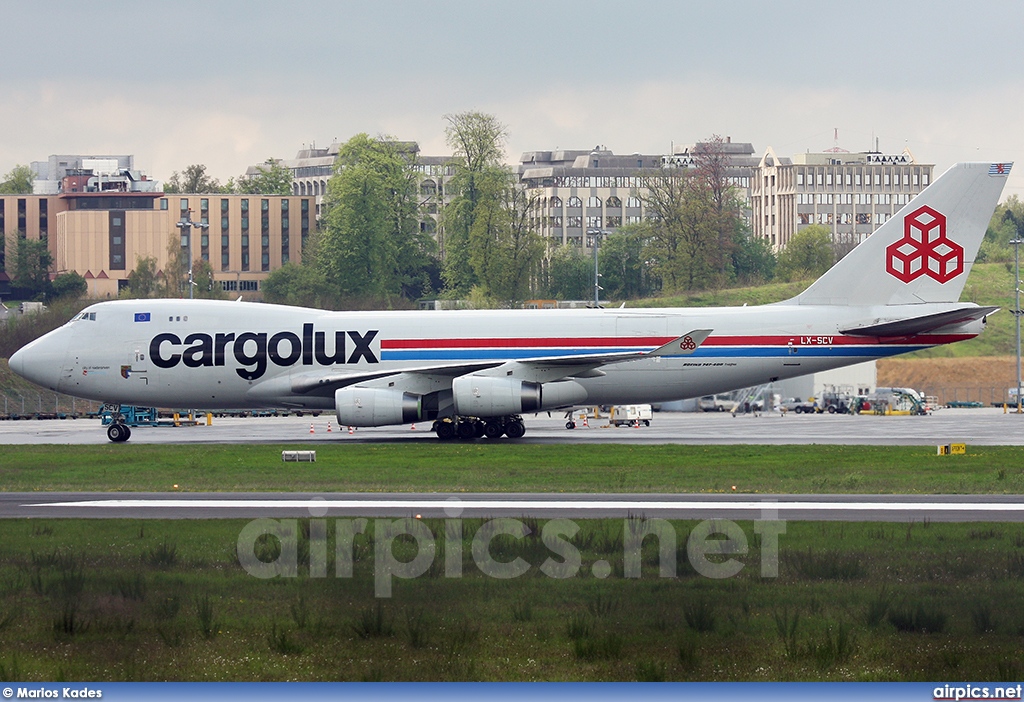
x=636 y=424
x=351 y=430
x=328 y=427
x=585 y=422
x=311 y=428
x=413 y=427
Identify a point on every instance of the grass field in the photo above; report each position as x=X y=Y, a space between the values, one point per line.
x=478 y=467
x=160 y=600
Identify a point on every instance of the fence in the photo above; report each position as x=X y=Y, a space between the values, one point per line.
x=987 y=396
x=44 y=404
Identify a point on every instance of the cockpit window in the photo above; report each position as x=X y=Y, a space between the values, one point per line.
x=91 y=316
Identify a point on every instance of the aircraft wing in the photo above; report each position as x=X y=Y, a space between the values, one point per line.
x=922 y=324
x=541 y=368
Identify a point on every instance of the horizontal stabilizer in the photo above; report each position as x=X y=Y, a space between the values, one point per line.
x=923 y=324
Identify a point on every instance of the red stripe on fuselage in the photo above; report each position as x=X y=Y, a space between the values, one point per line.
x=655 y=341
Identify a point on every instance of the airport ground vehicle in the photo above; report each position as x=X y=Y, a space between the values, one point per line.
x=631 y=415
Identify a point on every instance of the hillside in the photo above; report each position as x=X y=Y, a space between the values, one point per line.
x=988 y=284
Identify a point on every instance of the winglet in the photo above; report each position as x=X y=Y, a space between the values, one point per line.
x=684 y=345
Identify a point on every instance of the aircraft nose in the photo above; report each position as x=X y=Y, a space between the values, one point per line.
x=39 y=362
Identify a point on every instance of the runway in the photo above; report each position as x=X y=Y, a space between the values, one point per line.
x=986 y=426
x=852 y=508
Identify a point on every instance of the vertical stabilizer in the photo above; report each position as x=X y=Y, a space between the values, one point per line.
x=925 y=252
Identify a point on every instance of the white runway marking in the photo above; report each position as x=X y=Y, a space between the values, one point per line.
x=531 y=505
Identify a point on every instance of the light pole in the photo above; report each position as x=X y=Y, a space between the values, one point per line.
x=185 y=225
x=596 y=239
x=1017 y=241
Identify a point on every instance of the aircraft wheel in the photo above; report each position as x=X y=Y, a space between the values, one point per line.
x=831 y=409
x=478 y=429
x=515 y=429
x=493 y=430
x=445 y=431
x=466 y=430
x=118 y=433
x=570 y=425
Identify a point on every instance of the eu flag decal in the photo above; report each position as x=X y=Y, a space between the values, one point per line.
x=142 y=316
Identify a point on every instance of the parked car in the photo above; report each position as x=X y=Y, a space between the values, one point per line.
x=716 y=403
x=798 y=406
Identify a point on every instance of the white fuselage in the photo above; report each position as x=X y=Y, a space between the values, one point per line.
x=213 y=354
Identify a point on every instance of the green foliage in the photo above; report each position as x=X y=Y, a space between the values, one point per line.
x=295 y=284
x=625 y=273
x=68 y=285
x=270 y=178
x=142 y=280
x=570 y=274
x=477 y=141
x=695 y=220
x=371 y=246
x=194 y=180
x=31 y=272
x=807 y=255
x=205 y=617
x=18 y=181
x=921 y=617
x=1006 y=224
x=504 y=251
x=825 y=565
x=753 y=259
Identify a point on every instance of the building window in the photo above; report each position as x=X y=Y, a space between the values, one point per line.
x=594 y=203
x=115 y=226
x=163 y=203
x=249 y=285
x=633 y=202
x=575 y=202
x=556 y=202
x=576 y=221
x=594 y=222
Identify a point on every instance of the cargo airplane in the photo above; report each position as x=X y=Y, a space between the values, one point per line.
x=475 y=373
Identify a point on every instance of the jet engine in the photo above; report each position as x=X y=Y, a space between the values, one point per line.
x=484 y=396
x=376 y=407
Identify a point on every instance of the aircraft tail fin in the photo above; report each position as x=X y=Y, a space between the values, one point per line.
x=925 y=251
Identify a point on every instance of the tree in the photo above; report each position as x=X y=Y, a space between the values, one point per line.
x=753 y=259
x=504 y=251
x=807 y=255
x=18 y=181
x=695 y=216
x=271 y=178
x=142 y=281
x=296 y=284
x=32 y=262
x=1006 y=224
x=192 y=180
x=477 y=142
x=625 y=274
x=570 y=274
x=69 y=285
x=371 y=246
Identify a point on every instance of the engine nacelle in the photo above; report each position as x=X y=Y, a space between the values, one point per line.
x=376 y=407
x=485 y=396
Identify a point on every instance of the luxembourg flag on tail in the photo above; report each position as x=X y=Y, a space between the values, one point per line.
x=1000 y=169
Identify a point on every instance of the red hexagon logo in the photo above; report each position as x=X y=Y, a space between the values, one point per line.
x=924 y=249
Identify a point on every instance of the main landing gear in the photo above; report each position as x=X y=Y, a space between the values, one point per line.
x=119 y=433
x=468 y=428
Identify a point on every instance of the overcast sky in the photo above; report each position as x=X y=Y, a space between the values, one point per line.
x=229 y=84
